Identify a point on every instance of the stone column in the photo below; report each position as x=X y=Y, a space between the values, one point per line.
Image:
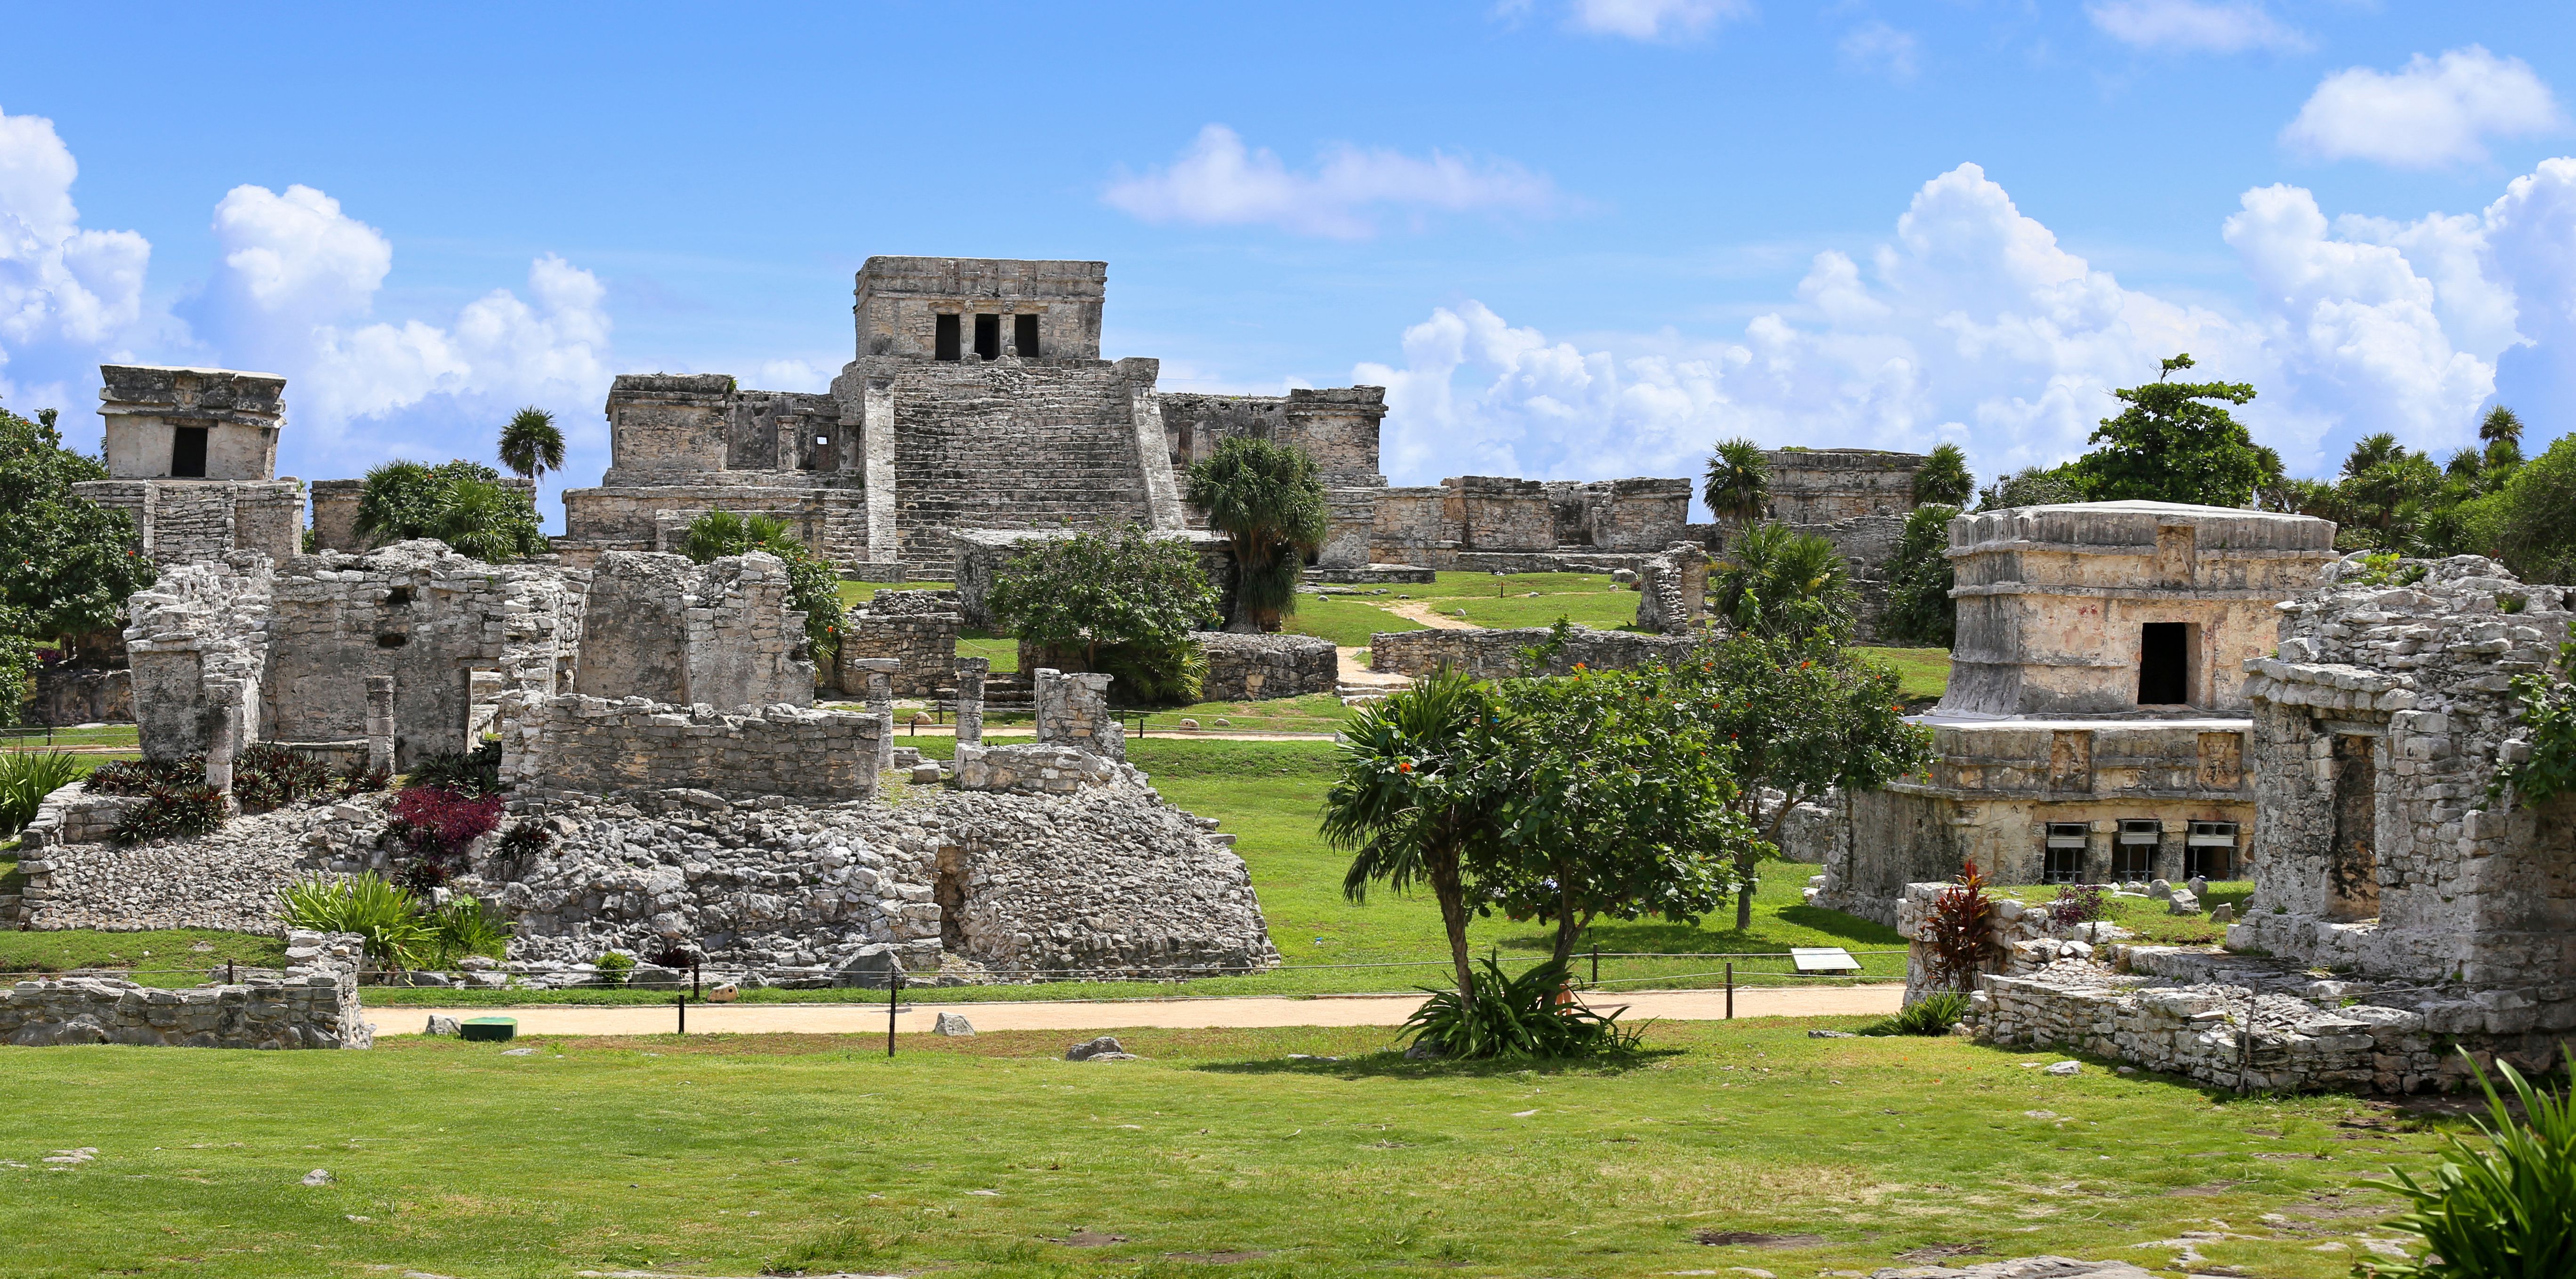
x=881 y=702
x=970 y=699
x=1073 y=710
x=380 y=723
x=2097 y=850
x=2169 y=850
x=223 y=742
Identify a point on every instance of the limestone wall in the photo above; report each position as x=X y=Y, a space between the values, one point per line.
x=1073 y=710
x=68 y=695
x=312 y=1004
x=1252 y=667
x=1672 y=590
x=591 y=745
x=1824 y=486
x=1490 y=654
x=2378 y=727
x=199 y=623
x=901 y=298
x=144 y=405
x=719 y=634
x=195 y=521
x=916 y=628
x=1336 y=426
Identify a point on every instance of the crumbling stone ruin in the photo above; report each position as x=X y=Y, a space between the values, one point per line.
x=916 y=629
x=312 y=1004
x=1244 y=668
x=737 y=643
x=1672 y=590
x=192 y=457
x=1497 y=654
x=2095 y=727
x=1856 y=499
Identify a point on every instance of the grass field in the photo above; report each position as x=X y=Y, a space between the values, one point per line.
x=1344 y=619
x=1218 y=1155
x=854 y=594
x=1924 y=673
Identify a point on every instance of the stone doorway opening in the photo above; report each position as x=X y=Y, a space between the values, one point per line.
x=2210 y=851
x=2352 y=865
x=2164 y=664
x=1024 y=336
x=188 y=453
x=988 y=337
x=943 y=338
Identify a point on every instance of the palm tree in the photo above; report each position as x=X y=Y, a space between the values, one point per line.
x=2502 y=424
x=1739 y=482
x=1266 y=499
x=1406 y=802
x=1776 y=581
x=1944 y=479
x=531 y=444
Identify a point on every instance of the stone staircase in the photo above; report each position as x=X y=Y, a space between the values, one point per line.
x=988 y=446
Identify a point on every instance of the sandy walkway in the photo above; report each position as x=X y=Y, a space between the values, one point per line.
x=1331 y=1010
x=1422 y=611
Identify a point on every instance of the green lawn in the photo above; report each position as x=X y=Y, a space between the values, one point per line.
x=1218 y=1155
x=1924 y=672
x=2148 y=918
x=1483 y=585
x=1001 y=650
x=1344 y=619
x=854 y=594
x=161 y=957
x=1601 y=610
x=1312 y=713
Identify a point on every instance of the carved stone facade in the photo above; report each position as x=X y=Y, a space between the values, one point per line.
x=2094 y=728
x=1856 y=499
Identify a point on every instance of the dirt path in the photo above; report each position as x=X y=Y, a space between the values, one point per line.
x=1421 y=611
x=1325 y=1010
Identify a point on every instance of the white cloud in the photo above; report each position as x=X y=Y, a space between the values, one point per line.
x=65 y=293
x=1218 y=181
x=795 y=375
x=2195 y=26
x=1973 y=324
x=295 y=294
x=1880 y=48
x=2431 y=112
x=1654 y=19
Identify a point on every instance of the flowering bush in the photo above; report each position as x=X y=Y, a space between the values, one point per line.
x=2078 y=904
x=436 y=824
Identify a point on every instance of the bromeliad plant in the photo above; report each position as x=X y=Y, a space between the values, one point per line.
x=1959 y=930
x=1501 y=1016
x=2504 y=1211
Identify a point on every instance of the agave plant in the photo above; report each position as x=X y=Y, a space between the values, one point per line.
x=1506 y=1016
x=2507 y=1211
x=388 y=917
x=26 y=777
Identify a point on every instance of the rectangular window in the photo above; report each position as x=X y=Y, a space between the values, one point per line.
x=988 y=337
x=188 y=452
x=2210 y=850
x=2164 y=664
x=2134 y=857
x=944 y=341
x=1024 y=336
x=2064 y=862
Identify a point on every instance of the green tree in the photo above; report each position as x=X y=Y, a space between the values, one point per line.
x=1738 y=484
x=1410 y=805
x=17 y=664
x=460 y=503
x=1613 y=799
x=812 y=586
x=2174 y=443
x=1919 y=608
x=69 y=562
x=2032 y=486
x=531 y=444
x=1804 y=718
x=2530 y=522
x=1944 y=479
x=1266 y=499
x=2383 y=492
x=1774 y=580
x=1124 y=602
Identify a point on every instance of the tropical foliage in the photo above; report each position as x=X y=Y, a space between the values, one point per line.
x=532 y=444
x=460 y=503
x=1774 y=580
x=26 y=777
x=2503 y=1207
x=1409 y=804
x=1919 y=610
x=1944 y=479
x=69 y=563
x=812 y=587
x=1266 y=499
x=1124 y=602
x=2032 y=486
x=1738 y=482
x=401 y=928
x=2548 y=716
x=1501 y=1016
x=2175 y=442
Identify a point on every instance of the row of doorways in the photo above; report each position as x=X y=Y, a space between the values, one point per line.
x=2209 y=849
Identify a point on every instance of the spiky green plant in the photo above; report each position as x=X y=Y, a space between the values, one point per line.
x=1267 y=500
x=1516 y=1017
x=2504 y=1208
x=1944 y=479
x=1933 y=1014
x=388 y=917
x=464 y=927
x=26 y=777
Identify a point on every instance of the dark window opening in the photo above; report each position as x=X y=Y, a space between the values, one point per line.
x=2134 y=857
x=944 y=339
x=392 y=641
x=2164 y=664
x=948 y=890
x=1024 y=336
x=2352 y=866
x=988 y=337
x=2211 y=851
x=397 y=596
x=2064 y=863
x=188 y=452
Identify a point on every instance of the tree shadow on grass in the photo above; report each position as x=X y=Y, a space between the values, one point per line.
x=1391 y=1064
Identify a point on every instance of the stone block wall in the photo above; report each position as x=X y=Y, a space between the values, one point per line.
x=1494 y=654
x=2379 y=726
x=1073 y=710
x=595 y=746
x=916 y=628
x=1251 y=667
x=1032 y=769
x=1491 y=512
x=144 y=405
x=830 y=517
x=1620 y=515
x=198 y=521
x=200 y=628
x=717 y=634
x=1672 y=590
x=899 y=300
x=335 y=514
x=312 y=1004
x=1336 y=426
x=1823 y=486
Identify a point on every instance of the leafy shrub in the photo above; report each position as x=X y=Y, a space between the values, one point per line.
x=1517 y=1017
x=613 y=967
x=1959 y=930
x=140 y=776
x=172 y=811
x=2548 y=715
x=1919 y=608
x=358 y=779
x=463 y=927
x=268 y=777
x=385 y=914
x=436 y=824
x=26 y=777
x=474 y=772
x=2078 y=904
x=1074 y=599
x=1148 y=676
x=460 y=503
x=2504 y=1212
x=526 y=839
x=1934 y=1014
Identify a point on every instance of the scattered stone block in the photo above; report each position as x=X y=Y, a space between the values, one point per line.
x=953 y=1026
x=1090 y=1049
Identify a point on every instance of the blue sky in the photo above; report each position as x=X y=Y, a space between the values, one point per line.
x=1576 y=238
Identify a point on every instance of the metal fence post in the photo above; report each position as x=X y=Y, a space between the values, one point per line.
x=894 y=992
x=1596 y=963
x=683 y=1006
x=1730 y=992
x=694 y=973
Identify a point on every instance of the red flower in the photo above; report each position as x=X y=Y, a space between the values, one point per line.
x=1404 y=766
